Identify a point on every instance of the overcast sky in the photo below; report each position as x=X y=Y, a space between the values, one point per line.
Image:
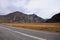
x=42 y=8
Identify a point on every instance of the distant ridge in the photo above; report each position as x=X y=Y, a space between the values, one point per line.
x=54 y=19
x=19 y=17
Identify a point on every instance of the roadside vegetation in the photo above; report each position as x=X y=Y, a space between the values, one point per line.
x=52 y=27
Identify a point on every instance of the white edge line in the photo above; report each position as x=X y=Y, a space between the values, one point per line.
x=26 y=34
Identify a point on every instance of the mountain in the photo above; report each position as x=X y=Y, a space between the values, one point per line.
x=54 y=19
x=19 y=17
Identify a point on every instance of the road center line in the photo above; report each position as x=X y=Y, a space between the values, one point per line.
x=25 y=34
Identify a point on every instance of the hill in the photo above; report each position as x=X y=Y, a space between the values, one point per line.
x=19 y=17
x=54 y=19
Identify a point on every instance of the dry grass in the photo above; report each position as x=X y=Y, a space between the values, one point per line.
x=53 y=27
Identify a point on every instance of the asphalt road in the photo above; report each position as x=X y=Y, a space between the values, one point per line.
x=12 y=33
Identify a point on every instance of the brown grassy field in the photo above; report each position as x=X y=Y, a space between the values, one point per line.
x=53 y=27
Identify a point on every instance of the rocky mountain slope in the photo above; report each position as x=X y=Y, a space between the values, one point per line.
x=19 y=17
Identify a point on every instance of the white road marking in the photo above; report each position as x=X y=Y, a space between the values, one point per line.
x=25 y=34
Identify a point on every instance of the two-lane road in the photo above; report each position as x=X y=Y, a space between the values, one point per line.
x=12 y=33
